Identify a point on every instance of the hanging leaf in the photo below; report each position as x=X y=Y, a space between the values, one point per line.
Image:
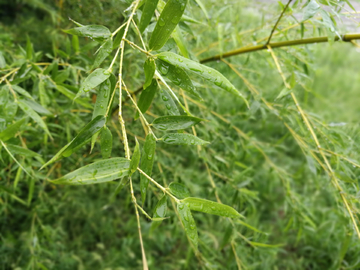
x=205 y=72
x=189 y=223
x=310 y=10
x=179 y=190
x=94 y=79
x=135 y=159
x=11 y=130
x=175 y=122
x=147 y=161
x=147 y=14
x=159 y=212
x=169 y=18
x=30 y=112
x=104 y=51
x=180 y=42
x=177 y=76
x=146 y=97
x=210 y=207
x=106 y=142
x=44 y=99
x=149 y=68
x=85 y=133
x=98 y=172
x=69 y=94
x=169 y=103
x=182 y=139
x=90 y=31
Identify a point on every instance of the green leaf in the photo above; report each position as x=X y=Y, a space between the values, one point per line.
x=15 y=149
x=188 y=222
x=210 y=207
x=30 y=112
x=147 y=161
x=106 y=142
x=179 y=190
x=205 y=72
x=37 y=107
x=169 y=103
x=135 y=159
x=90 y=31
x=168 y=20
x=85 y=133
x=159 y=212
x=149 y=68
x=182 y=139
x=104 y=51
x=147 y=14
x=2 y=60
x=11 y=130
x=175 y=122
x=69 y=94
x=44 y=99
x=202 y=6
x=98 y=172
x=177 y=76
x=75 y=43
x=180 y=42
x=146 y=97
x=94 y=79
x=310 y=10
x=20 y=90
x=56 y=157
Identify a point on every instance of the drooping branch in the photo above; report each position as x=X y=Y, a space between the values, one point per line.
x=247 y=49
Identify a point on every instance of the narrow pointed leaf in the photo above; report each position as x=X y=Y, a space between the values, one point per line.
x=175 y=122
x=98 y=172
x=20 y=90
x=135 y=159
x=90 y=31
x=106 y=142
x=69 y=94
x=146 y=97
x=210 y=207
x=159 y=212
x=148 y=13
x=56 y=157
x=11 y=130
x=205 y=72
x=147 y=161
x=188 y=222
x=30 y=112
x=177 y=76
x=182 y=139
x=179 y=190
x=149 y=68
x=18 y=150
x=180 y=42
x=85 y=133
x=168 y=20
x=310 y=10
x=104 y=51
x=94 y=79
x=169 y=103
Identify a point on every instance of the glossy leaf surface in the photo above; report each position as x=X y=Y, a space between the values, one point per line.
x=182 y=139
x=179 y=190
x=146 y=97
x=149 y=68
x=175 y=122
x=147 y=14
x=106 y=142
x=188 y=222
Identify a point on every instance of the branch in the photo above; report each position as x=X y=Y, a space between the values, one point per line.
x=346 y=38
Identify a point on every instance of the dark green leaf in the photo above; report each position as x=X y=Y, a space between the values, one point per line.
x=179 y=190
x=148 y=12
x=11 y=130
x=175 y=122
x=168 y=20
x=210 y=207
x=98 y=172
x=182 y=139
x=147 y=161
x=149 y=68
x=106 y=142
x=189 y=223
x=146 y=97
x=135 y=159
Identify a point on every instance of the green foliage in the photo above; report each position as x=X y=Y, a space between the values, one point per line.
x=270 y=182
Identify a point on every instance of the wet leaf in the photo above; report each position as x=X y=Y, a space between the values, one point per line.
x=146 y=97
x=179 y=190
x=104 y=51
x=90 y=31
x=20 y=90
x=169 y=102
x=310 y=10
x=168 y=20
x=175 y=122
x=205 y=72
x=98 y=172
x=149 y=68
x=189 y=223
x=69 y=94
x=135 y=159
x=106 y=142
x=177 y=76
x=11 y=130
x=159 y=212
x=210 y=207
x=15 y=149
x=147 y=161
x=182 y=139
x=180 y=42
x=147 y=14
x=94 y=79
